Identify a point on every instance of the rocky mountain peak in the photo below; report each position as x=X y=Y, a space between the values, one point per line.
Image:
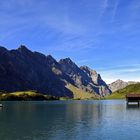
x=23 y=49
x=119 y=80
x=51 y=61
x=49 y=57
x=120 y=84
x=66 y=61
x=3 y=50
x=85 y=68
x=35 y=71
x=68 y=66
x=96 y=78
x=88 y=70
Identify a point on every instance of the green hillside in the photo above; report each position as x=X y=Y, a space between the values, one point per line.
x=79 y=94
x=120 y=94
x=34 y=96
x=25 y=96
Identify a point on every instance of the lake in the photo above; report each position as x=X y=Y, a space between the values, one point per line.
x=69 y=120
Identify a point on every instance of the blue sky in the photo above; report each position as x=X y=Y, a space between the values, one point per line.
x=102 y=34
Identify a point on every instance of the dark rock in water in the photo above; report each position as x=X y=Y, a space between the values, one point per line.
x=22 y=69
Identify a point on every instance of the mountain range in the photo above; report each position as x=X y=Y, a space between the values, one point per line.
x=121 y=94
x=22 y=70
x=120 y=84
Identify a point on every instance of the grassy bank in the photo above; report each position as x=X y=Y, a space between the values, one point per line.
x=79 y=94
x=26 y=96
x=120 y=94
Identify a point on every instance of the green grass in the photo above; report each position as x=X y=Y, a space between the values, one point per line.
x=25 y=95
x=80 y=94
x=120 y=94
x=77 y=93
x=33 y=95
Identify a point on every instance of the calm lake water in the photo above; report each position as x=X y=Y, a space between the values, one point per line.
x=69 y=120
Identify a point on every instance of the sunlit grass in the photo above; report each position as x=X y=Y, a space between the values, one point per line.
x=26 y=95
x=120 y=94
x=80 y=94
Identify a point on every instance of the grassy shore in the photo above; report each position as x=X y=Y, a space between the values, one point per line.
x=78 y=94
x=120 y=94
x=26 y=96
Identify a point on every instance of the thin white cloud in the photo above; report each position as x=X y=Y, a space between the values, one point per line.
x=73 y=44
x=122 y=67
x=124 y=72
x=38 y=14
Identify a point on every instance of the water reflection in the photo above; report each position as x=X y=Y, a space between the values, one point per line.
x=132 y=106
x=68 y=120
x=1 y=108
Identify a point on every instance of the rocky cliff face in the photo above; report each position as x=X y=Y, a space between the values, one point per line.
x=84 y=78
x=98 y=84
x=22 y=69
x=119 y=84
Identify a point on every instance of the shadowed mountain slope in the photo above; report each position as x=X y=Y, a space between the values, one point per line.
x=22 y=70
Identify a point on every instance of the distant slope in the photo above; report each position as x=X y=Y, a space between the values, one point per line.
x=120 y=94
x=80 y=94
x=119 y=84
